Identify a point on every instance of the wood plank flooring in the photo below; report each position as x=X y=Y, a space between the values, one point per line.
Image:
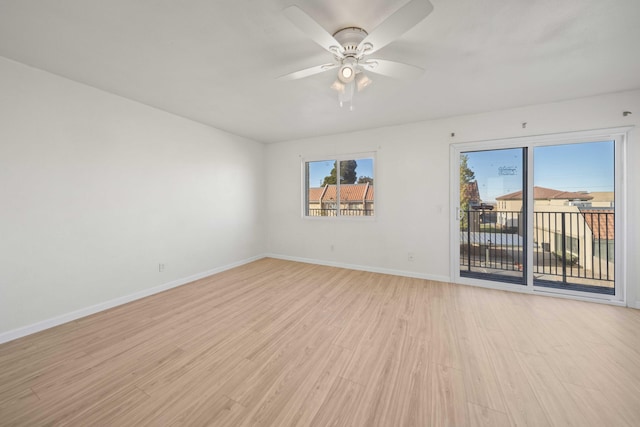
x=279 y=343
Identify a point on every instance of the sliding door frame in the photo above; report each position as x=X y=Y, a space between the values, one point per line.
x=618 y=135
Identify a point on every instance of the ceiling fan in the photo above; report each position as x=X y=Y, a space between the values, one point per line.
x=352 y=46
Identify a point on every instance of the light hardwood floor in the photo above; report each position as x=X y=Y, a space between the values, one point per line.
x=278 y=343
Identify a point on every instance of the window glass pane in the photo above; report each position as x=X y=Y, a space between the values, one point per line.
x=320 y=199
x=356 y=187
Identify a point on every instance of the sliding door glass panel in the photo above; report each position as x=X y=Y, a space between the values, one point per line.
x=573 y=217
x=492 y=215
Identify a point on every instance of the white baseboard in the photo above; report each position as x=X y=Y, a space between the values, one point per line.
x=637 y=305
x=87 y=311
x=362 y=268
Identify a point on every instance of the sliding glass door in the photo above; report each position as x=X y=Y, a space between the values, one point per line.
x=574 y=217
x=492 y=236
x=540 y=214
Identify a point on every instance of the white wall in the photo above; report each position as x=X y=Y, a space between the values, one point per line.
x=97 y=190
x=412 y=186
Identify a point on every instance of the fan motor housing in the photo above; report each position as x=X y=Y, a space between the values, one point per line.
x=350 y=39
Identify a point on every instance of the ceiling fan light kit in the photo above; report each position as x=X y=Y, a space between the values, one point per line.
x=362 y=81
x=350 y=47
x=346 y=95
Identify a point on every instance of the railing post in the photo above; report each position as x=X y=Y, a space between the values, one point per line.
x=486 y=253
x=564 y=251
x=468 y=212
x=606 y=226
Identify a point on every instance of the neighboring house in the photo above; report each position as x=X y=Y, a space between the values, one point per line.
x=355 y=200
x=479 y=212
x=509 y=206
x=543 y=197
x=601 y=222
x=602 y=199
x=471 y=193
x=588 y=231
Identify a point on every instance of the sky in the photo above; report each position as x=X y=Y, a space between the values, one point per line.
x=318 y=170
x=569 y=167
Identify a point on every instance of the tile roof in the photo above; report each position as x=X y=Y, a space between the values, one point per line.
x=369 y=196
x=541 y=193
x=330 y=193
x=315 y=194
x=601 y=222
x=348 y=192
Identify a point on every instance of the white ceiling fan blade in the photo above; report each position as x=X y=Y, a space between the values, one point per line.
x=392 y=68
x=396 y=25
x=313 y=30
x=308 y=72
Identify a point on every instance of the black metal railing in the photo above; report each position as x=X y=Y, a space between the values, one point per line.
x=492 y=245
x=343 y=212
x=569 y=247
x=575 y=244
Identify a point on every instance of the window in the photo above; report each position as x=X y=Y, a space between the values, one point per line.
x=339 y=187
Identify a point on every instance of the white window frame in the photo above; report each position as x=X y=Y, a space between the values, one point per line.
x=618 y=135
x=337 y=158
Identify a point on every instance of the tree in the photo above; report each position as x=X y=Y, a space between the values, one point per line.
x=347 y=173
x=331 y=178
x=466 y=177
x=365 y=179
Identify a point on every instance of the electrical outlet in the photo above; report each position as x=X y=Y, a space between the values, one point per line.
x=160 y=267
x=410 y=256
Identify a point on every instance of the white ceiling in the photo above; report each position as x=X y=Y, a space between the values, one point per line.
x=216 y=61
